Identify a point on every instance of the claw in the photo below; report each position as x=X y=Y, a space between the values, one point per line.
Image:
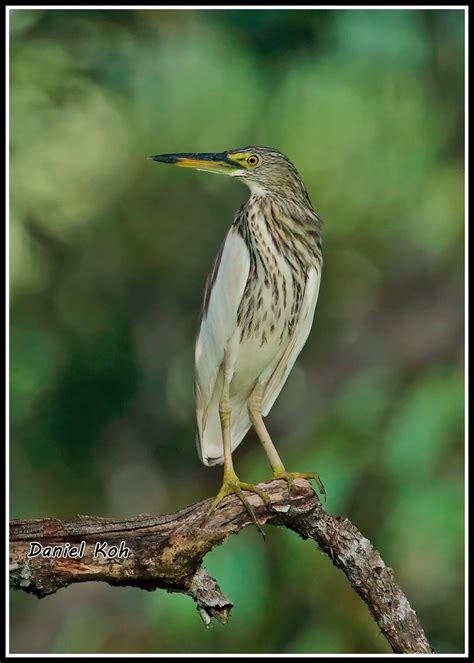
x=233 y=485
x=290 y=477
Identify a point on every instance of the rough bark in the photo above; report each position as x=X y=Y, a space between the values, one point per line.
x=167 y=552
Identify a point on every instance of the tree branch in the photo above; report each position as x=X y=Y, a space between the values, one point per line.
x=166 y=552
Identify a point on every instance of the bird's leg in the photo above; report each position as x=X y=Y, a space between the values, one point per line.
x=231 y=483
x=279 y=472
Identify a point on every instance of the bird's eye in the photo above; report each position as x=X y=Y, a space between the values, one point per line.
x=252 y=160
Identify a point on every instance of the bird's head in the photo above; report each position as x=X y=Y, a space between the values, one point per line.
x=263 y=169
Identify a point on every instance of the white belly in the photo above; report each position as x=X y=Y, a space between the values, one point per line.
x=254 y=359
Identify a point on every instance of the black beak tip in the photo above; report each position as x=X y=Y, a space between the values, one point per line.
x=164 y=158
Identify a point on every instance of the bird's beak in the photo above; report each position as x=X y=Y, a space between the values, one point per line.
x=214 y=162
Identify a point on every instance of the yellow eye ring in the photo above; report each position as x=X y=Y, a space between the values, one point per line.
x=253 y=160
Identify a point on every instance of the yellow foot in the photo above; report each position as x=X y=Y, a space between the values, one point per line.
x=289 y=477
x=233 y=485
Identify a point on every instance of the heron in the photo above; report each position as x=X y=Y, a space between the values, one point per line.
x=257 y=312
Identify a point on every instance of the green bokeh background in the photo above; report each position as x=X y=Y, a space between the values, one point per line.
x=108 y=257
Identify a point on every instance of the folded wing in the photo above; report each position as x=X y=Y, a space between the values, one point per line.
x=224 y=289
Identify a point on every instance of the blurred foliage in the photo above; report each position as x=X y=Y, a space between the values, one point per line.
x=108 y=257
